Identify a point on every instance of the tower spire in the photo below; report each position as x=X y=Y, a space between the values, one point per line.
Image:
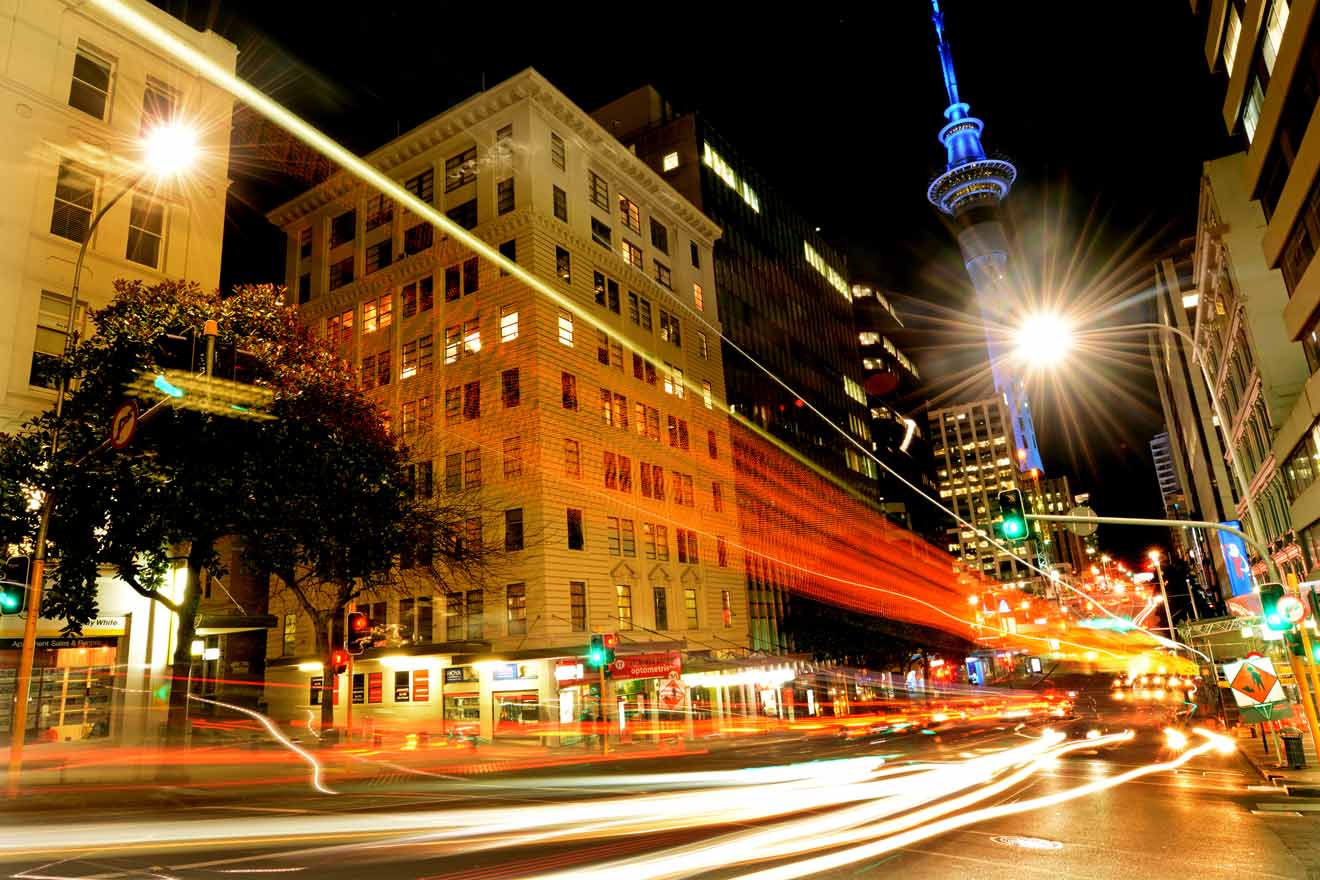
x=946 y=57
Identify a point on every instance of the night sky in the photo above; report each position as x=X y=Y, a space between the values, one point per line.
x=1107 y=109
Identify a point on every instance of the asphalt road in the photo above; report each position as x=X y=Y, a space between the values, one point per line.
x=718 y=818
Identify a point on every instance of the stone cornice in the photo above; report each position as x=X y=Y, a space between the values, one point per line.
x=527 y=85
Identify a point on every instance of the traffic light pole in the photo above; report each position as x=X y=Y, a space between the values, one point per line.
x=604 y=716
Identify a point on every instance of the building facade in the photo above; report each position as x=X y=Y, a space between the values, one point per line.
x=785 y=304
x=576 y=418
x=82 y=95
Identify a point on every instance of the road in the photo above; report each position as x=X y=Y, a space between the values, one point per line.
x=763 y=809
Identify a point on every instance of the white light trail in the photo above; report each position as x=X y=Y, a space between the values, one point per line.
x=279 y=737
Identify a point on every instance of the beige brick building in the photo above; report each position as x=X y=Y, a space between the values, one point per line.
x=584 y=430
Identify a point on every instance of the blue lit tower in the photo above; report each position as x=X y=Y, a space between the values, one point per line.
x=970 y=190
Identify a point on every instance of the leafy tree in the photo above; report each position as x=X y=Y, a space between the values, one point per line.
x=318 y=486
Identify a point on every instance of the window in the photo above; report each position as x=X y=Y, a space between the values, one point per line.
x=368 y=378
x=509 y=250
x=1232 y=31
x=409 y=298
x=379 y=211
x=75 y=197
x=560 y=200
x=409 y=423
x=158 y=101
x=48 y=347
x=423 y=479
x=601 y=234
x=377 y=313
x=669 y=162
x=425 y=413
x=453 y=341
x=341 y=273
x=695 y=253
x=454 y=617
x=504 y=196
x=146 y=231
x=658 y=482
x=576 y=540
x=611 y=470
x=339 y=328
x=670 y=328
x=717 y=497
x=476 y=613
x=663 y=276
x=515 y=601
x=454 y=472
x=471 y=337
x=461 y=169
x=90 y=89
x=508 y=323
x=470 y=276
x=513 y=529
x=513 y=457
x=603 y=347
x=577 y=605
x=625 y=473
x=464 y=215
x=568 y=390
x=706 y=396
x=662 y=541
x=453 y=403
x=598 y=191
x=305 y=243
x=1251 y=109
x=711 y=446
x=674 y=381
x=472 y=400
x=418 y=238
x=607 y=292
x=290 y=634
x=408 y=364
x=726 y=608
x=565 y=328
x=425 y=354
x=702 y=346
x=564 y=265
x=648 y=538
x=613 y=535
x=698 y=298
x=659 y=236
x=378 y=255
x=631 y=252
x=383 y=371
x=630 y=214
x=661 y=607
x=572 y=458
x=1275 y=22
x=422 y=186
x=304 y=287
x=453 y=287
x=510 y=388
x=472 y=468
x=504 y=139
x=721 y=552
x=621 y=411
x=690 y=607
x=623 y=594
x=426 y=293
x=557 y=151
x=343 y=228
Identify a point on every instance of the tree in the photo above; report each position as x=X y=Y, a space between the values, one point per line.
x=190 y=478
x=833 y=634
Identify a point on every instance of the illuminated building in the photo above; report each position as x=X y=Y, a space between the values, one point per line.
x=592 y=457
x=79 y=95
x=970 y=191
x=784 y=300
x=1269 y=55
x=971 y=444
x=1066 y=552
x=891 y=380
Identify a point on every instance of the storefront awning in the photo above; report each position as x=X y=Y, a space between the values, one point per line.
x=219 y=624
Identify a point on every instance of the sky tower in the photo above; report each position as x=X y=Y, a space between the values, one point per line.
x=970 y=190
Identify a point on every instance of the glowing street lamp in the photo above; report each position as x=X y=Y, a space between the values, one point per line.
x=170 y=149
x=1044 y=339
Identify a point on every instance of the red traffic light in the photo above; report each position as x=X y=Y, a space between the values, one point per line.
x=339 y=661
x=611 y=640
x=358 y=621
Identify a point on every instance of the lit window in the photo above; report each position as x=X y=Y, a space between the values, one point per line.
x=471 y=337
x=566 y=328
x=508 y=323
x=1232 y=31
x=670 y=161
x=1251 y=112
x=698 y=298
x=706 y=395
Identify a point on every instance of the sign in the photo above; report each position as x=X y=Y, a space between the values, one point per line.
x=672 y=693
x=123 y=424
x=1083 y=530
x=1291 y=609
x=359 y=688
x=567 y=670
x=402 y=686
x=647 y=665
x=375 y=687
x=1234 y=552
x=66 y=642
x=1256 y=688
x=505 y=672
x=421 y=685
x=457 y=674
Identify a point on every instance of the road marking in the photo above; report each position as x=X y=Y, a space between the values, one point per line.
x=1276 y=813
x=1299 y=806
x=1021 y=842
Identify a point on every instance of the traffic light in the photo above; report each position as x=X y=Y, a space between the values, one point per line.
x=1270 y=594
x=1294 y=640
x=1013 y=508
x=601 y=652
x=339 y=661
x=359 y=636
x=14 y=585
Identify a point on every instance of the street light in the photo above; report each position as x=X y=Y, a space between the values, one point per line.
x=1036 y=347
x=167 y=151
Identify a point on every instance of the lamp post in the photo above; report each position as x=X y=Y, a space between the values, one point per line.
x=1159 y=576
x=1044 y=340
x=167 y=151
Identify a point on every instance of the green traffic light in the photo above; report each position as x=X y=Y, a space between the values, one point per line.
x=8 y=601
x=596 y=657
x=1014 y=528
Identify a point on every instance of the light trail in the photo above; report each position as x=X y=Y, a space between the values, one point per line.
x=279 y=737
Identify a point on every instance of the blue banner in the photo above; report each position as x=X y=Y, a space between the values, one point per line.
x=1236 y=561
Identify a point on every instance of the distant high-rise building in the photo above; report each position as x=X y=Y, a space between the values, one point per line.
x=785 y=303
x=1166 y=473
x=970 y=191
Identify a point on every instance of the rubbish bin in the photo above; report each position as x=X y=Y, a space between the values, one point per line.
x=1293 y=753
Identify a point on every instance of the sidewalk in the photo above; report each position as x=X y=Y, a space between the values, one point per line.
x=1305 y=782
